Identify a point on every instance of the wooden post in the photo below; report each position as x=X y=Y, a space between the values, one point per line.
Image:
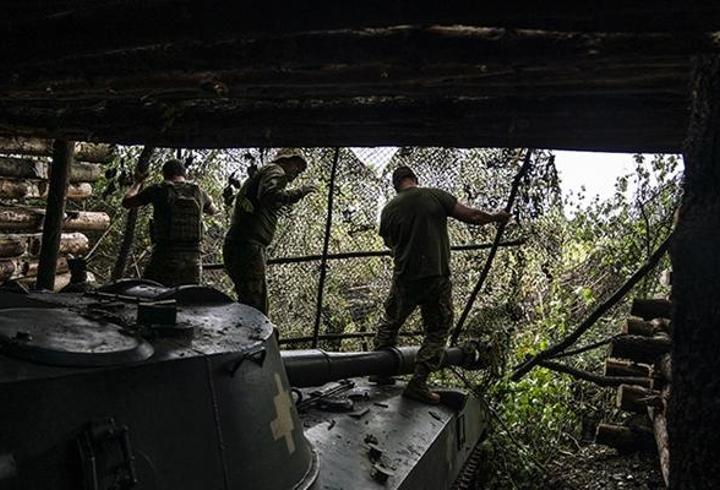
x=694 y=409
x=326 y=246
x=128 y=238
x=54 y=213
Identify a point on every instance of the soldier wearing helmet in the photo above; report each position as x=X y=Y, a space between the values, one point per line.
x=257 y=208
x=176 y=228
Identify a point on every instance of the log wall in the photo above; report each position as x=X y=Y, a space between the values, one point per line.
x=24 y=173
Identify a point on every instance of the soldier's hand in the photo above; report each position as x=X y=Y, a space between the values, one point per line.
x=502 y=216
x=140 y=176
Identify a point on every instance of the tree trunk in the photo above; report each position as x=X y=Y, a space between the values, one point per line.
x=128 y=238
x=27 y=168
x=694 y=410
x=70 y=244
x=623 y=438
x=87 y=152
x=11 y=246
x=621 y=367
x=31 y=220
x=647 y=309
x=34 y=189
x=640 y=349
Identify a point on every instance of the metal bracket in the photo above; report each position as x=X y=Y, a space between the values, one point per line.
x=106 y=456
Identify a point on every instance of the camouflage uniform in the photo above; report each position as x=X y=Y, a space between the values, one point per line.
x=434 y=297
x=255 y=216
x=176 y=232
x=414 y=225
x=245 y=263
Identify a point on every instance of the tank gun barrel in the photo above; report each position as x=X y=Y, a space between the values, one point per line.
x=315 y=367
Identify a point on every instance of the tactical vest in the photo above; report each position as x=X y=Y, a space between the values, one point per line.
x=179 y=220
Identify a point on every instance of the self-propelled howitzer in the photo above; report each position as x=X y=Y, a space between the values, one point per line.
x=138 y=386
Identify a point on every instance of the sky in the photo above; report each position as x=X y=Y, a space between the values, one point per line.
x=594 y=170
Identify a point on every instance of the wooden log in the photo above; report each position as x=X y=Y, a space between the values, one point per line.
x=636 y=326
x=54 y=221
x=12 y=246
x=70 y=244
x=7 y=269
x=86 y=152
x=622 y=367
x=626 y=439
x=27 y=168
x=663 y=368
x=596 y=378
x=29 y=268
x=637 y=398
x=38 y=189
x=662 y=325
x=659 y=420
x=86 y=221
x=16 y=219
x=640 y=349
x=647 y=309
x=20 y=219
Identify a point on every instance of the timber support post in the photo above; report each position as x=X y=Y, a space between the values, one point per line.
x=694 y=408
x=128 y=238
x=326 y=247
x=54 y=213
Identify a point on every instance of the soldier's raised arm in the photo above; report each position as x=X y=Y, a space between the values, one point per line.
x=475 y=216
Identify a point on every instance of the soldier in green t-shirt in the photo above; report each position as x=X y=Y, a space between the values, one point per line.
x=414 y=226
x=177 y=227
x=257 y=208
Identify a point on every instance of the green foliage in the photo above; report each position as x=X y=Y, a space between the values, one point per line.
x=575 y=254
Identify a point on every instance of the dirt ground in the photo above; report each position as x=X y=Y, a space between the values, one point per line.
x=598 y=467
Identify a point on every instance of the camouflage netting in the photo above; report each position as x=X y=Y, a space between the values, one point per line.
x=355 y=288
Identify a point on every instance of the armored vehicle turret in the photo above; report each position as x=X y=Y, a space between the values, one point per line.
x=138 y=386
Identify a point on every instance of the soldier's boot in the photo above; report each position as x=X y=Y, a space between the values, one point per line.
x=417 y=387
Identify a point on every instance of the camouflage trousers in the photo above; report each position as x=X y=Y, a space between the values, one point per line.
x=172 y=267
x=434 y=297
x=245 y=263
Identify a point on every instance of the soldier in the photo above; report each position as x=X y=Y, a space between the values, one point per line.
x=176 y=228
x=414 y=226
x=257 y=207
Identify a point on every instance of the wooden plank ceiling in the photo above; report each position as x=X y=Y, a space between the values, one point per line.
x=592 y=75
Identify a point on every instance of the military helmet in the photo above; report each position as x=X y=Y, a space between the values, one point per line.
x=290 y=153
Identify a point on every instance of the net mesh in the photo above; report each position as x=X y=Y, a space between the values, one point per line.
x=355 y=286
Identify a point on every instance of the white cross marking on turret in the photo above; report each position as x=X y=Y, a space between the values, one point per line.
x=282 y=425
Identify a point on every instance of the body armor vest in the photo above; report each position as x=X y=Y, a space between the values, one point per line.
x=180 y=219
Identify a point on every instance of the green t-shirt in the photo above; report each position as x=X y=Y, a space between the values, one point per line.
x=258 y=204
x=414 y=225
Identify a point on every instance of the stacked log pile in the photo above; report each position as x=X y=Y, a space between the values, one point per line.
x=24 y=171
x=642 y=350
